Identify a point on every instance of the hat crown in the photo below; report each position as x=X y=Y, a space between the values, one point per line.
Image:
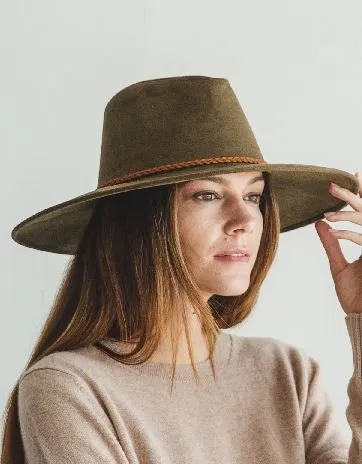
x=171 y=122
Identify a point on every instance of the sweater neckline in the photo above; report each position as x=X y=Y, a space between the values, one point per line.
x=222 y=358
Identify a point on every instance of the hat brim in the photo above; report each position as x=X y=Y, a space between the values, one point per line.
x=301 y=191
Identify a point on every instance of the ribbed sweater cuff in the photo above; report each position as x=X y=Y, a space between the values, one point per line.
x=354 y=327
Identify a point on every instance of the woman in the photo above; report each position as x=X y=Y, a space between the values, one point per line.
x=172 y=247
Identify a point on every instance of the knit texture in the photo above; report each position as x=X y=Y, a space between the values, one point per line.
x=269 y=405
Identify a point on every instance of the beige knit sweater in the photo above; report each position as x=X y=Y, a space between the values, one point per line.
x=270 y=406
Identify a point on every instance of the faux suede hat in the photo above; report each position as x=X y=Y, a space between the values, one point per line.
x=174 y=129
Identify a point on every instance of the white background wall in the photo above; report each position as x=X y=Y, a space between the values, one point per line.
x=296 y=68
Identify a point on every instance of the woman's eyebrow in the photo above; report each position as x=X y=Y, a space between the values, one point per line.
x=223 y=181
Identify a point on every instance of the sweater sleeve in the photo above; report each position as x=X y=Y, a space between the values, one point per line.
x=324 y=443
x=61 y=422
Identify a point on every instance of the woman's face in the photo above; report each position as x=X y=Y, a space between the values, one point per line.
x=214 y=217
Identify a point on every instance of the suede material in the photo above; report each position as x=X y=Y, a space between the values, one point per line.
x=173 y=129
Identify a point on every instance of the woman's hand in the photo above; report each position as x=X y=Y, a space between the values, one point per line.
x=347 y=276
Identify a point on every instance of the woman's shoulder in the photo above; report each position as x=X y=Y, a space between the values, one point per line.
x=76 y=362
x=268 y=349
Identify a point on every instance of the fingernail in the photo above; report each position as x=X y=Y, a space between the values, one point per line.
x=335 y=186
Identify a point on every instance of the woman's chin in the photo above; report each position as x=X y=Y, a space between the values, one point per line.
x=234 y=291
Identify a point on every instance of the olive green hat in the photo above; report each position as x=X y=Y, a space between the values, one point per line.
x=174 y=129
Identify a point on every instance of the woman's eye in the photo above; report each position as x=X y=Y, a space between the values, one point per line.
x=203 y=194
x=257 y=195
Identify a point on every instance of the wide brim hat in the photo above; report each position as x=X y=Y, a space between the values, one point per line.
x=174 y=129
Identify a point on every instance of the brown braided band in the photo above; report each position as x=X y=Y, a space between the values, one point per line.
x=169 y=167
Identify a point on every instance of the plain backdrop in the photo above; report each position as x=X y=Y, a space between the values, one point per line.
x=296 y=68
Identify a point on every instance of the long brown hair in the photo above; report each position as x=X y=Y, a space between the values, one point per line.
x=127 y=271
